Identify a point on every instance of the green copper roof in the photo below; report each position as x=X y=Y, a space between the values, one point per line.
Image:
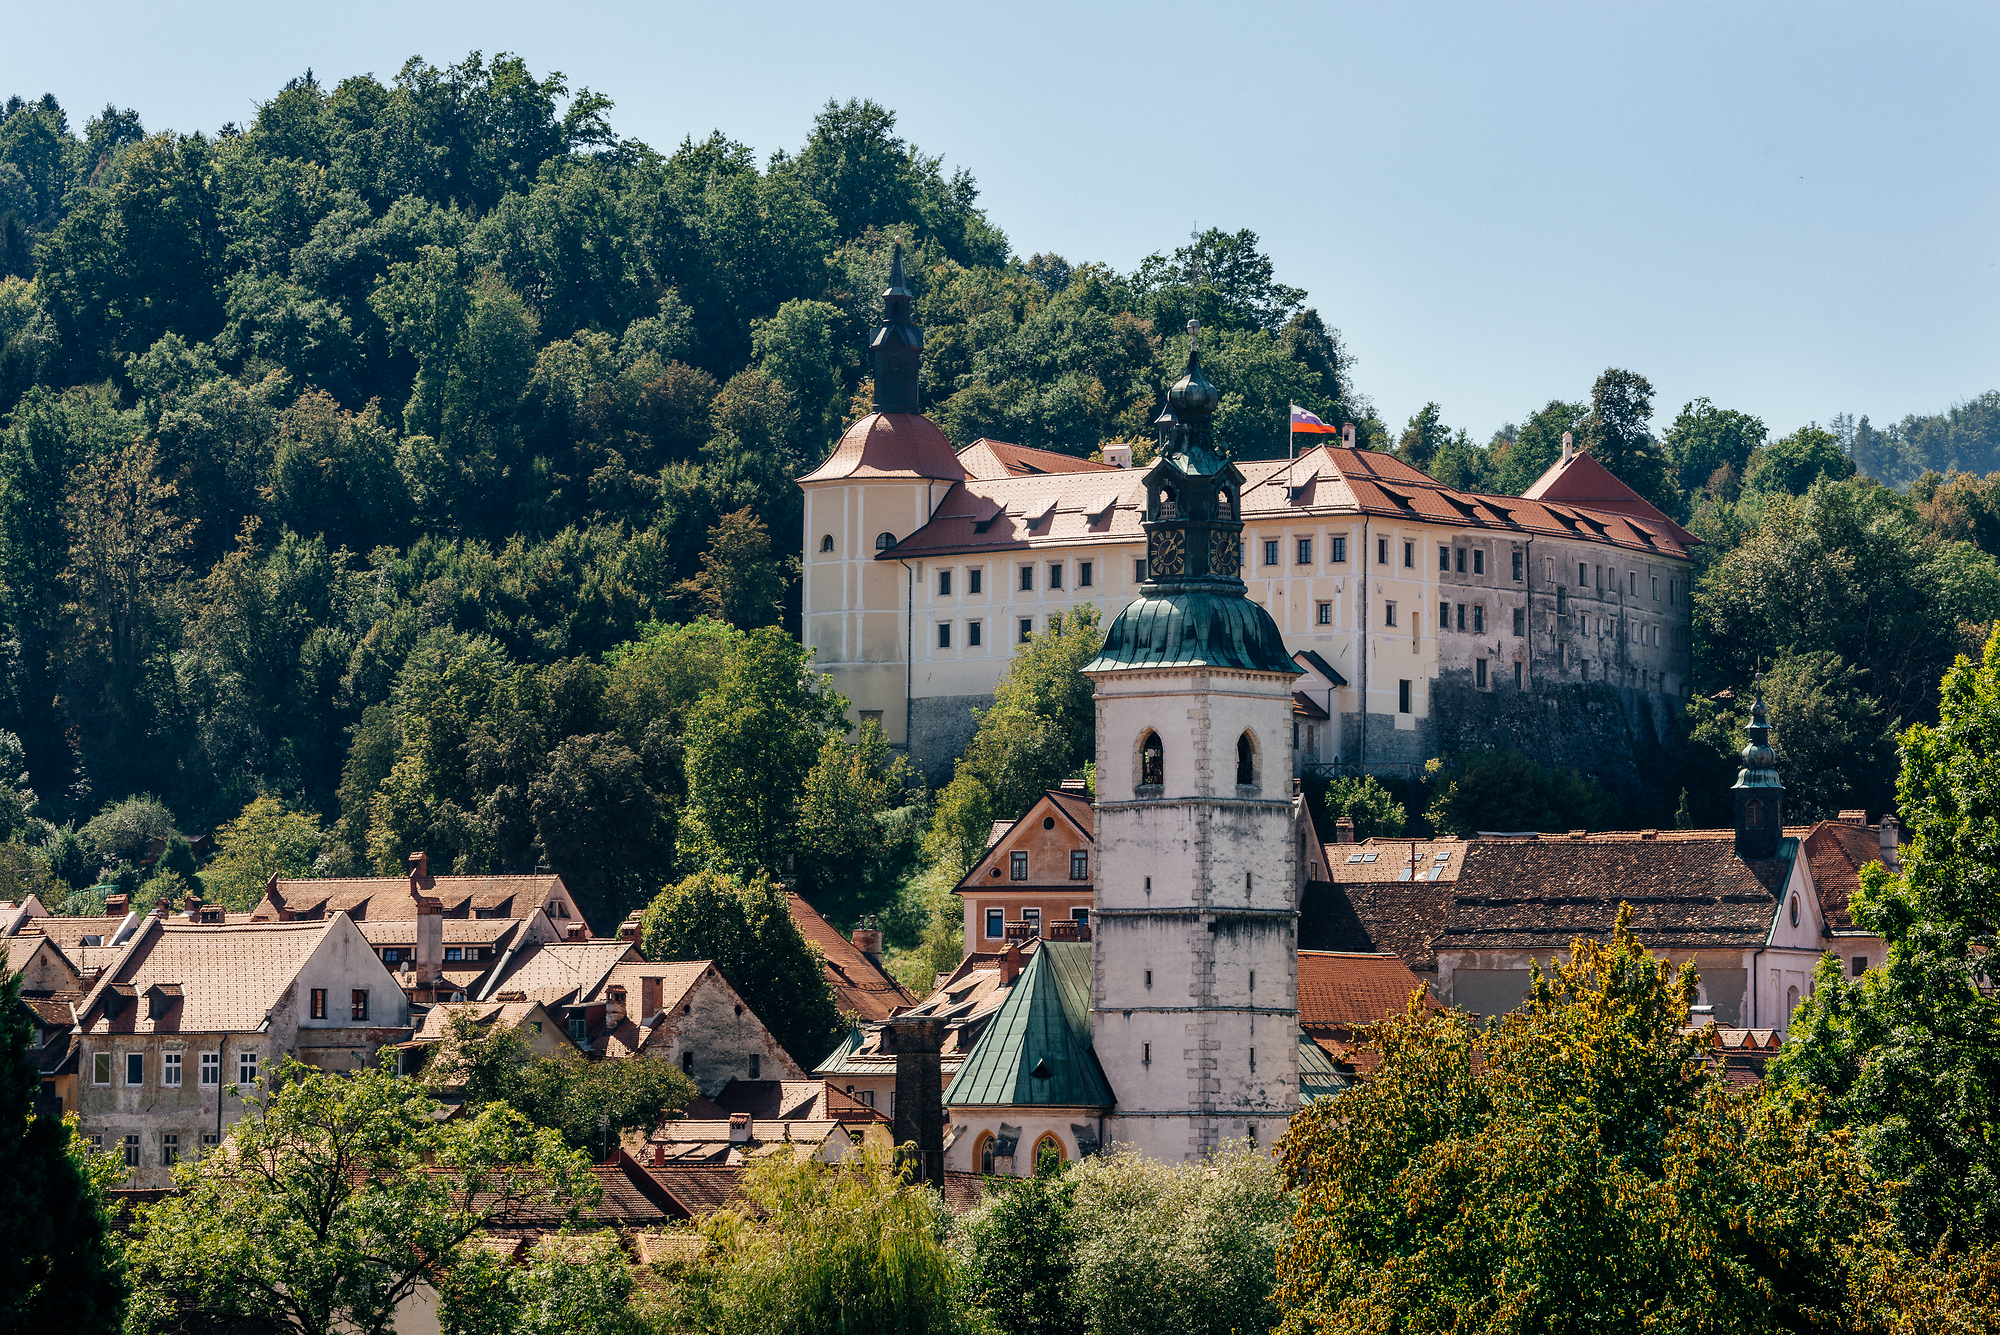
x=1036 y=1049
x=1317 y=1077
x=1194 y=628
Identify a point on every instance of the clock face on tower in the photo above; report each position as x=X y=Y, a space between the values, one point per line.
x=1166 y=553
x=1221 y=552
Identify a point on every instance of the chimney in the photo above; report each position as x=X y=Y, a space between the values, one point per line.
x=868 y=938
x=576 y=931
x=430 y=923
x=1569 y=451
x=160 y=907
x=420 y=867
x=917 y=1042
x=1891 y=843
x=117 y=905
x=650 y=1001
x=1118 y=456
x=629 y=929
x=1010 y=962
x=192 y=904
x=741 y=1129
x=1347 y=435
x=659 y=1156
x=1343 y=830
x=1853 y=816
x=1701 y=1017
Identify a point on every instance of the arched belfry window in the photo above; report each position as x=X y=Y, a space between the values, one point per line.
x=1753 y=814
x=884 y=541
x=826 y=543
x=1246 y=760
x=1152 y=761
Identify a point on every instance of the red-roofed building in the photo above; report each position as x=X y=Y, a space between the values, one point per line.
x=925 y=569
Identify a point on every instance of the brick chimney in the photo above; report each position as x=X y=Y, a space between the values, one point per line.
x=629 y=929
x=741 y=1129
x=650 y=1000
x=1010 y=962
x=430 y=922
x=576 y=931
x=1343 y=830
x=868 y=938
x=917 y=1041
x=117 y=905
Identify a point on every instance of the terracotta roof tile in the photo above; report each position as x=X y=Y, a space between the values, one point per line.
x=860 y=985
x=366 y=898
x=1338 y=989
x=890 y=445
x=701 y=1190
x=990 y=459
x=556 y=972
x=1836 y=852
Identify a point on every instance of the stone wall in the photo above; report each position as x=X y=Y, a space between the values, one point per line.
x=941 y=727
x=1614 y=735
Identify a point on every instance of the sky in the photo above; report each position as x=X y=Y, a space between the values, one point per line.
x=1786 y=208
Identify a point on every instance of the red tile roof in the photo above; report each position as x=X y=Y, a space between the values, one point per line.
x=860 y=985
x=1836 y=851
x=890 y=445
x=991 y=459
x=1342 y=989
x=1581 y=480
x=373 y=898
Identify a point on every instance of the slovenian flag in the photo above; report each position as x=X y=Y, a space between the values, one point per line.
x=1305 y=421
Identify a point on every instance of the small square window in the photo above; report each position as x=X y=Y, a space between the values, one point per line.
x=209 y=1140
x=1084 y=572
x=972 y=634
x=1027 y=629
x=1305 y=551
x=1055 y=574
x=357 y=1004
x=1388 y=614
x=1027 y=579
x=100 y=1068
x=135 y=1068
x=1860 y=963
x=170 y=1070
x=454 y=954
x=318 y=1010
x=1339 y=553
x=869 y=716
x=1017 y=866
x=1079 y=865
x=944 y=584
x=974 y=578
x=1402 y=697
x=1270 y=551
x=1323 y=614
x=211 y=1068
x=1444 y=557
x=944 y=635
x=996 y=923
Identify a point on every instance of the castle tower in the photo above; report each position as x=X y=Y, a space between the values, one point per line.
x=1760 y=797
x=1194 y=1013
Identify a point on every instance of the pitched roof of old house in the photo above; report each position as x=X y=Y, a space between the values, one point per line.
x=373 y=898
x=1020 y=510
x=861 y=986
x=1037 y=1048
x=1371 y=902
x=224 y=979
x=1072 y=806
x=558 y=973
x=989 y=460
x=1341 y=991
x=967 y=998
x=1836 y=851
x=1688 y=891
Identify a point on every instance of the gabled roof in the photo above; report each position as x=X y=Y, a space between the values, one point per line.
x=373 y=898
x=1339 y=989
x=890 y=445
x=1582 y=481
x=1037 y=1049
x=989 y=460
x=860 y=985
x=1688 y=891
x=1836 y=851
x=560 y=973
x=1068 y=807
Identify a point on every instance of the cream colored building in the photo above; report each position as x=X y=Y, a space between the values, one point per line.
x=925 y=568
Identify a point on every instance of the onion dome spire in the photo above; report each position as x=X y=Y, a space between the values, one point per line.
x=1760 y=795
x=897 y=345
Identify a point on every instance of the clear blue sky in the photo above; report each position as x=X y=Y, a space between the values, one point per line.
x=1788 y=208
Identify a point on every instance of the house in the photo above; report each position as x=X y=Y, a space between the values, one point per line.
x=14 y=913
x=924 y=568
x=862 y=988
x=1035 y=876
x=191 y=1017
x=688 y=1014
x=1746 y=906
x=738 y=1139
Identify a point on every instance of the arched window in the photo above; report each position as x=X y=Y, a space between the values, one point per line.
x=1753 y=815
x=884 y=541
x=1795 y=910
x=1791 y=1002
x=826 y=543
x=982 y=1152
x=1246 y=760
x=1049 y=1154
x=1152 y=761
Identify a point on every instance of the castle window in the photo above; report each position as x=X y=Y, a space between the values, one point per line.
x=1139 y=571
x=1323 y=614
x=1795 y=910
x=1520 y=621
x=1381 y=551
x=1146 y=1052
x=984 y=1154
x=1017 y=864
x=972 y=634
x=1860 y=965
x=1305 y=551
x=1049 y=1154
x=1083 y=575
x=1479 y=673
x=1246 y=760
x=1444 y=615
x=1461 y=616
x=884 y=541
x=826 y=543
x=1444 y=557
x=1152 y=761
x=996 y=923
x=135 y=1068
x=170 y=1070
x=1517 y=567
x=756 y=1066
x=1519 y=676
x=1582 y=575
x=1027 y=579
x=1079 y=865
x=1339 y=553
x=357 y=1003
x=944 y=635
x=1478 y=561
x=1032 y=920
x=944 y=584
x=1410 y=555
x=1753 y=814
x=1055 y=574
x=318 y=1011
x=1656 y=588
x=1270 y=551
x=1461 y=560
x=1027 y=629
x=1478 y=618
x=1388 y=614
x=974 y=578
x=1402 y=697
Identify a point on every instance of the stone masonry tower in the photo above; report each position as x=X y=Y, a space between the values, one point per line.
x=1195 y=992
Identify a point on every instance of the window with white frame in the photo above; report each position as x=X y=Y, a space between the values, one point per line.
x=170 y=1070
x=211 y=1068
x=246 y=1068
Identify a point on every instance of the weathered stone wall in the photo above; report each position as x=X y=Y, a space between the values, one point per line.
x=1611 y=734
x=941 y=727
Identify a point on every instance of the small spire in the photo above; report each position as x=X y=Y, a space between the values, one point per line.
x=897 y=344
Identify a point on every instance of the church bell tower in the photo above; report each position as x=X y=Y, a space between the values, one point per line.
x=1760 y=795
x=1195 y=931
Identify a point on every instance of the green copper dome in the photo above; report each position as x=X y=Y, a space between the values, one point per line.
x=1193 y=628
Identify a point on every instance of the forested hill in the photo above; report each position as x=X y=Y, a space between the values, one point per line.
x=445 y=357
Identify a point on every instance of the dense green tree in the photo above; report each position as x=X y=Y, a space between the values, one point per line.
x=1363 y=798
x=1018 y=1248
x=857 y=830
x=740 y=580
x=1835 y=747
x=59 y=1264
x=1617 y=434
x=1508 y=790
x=746 y=928
x=1042 y=725
x=333 y=1200
x=1583 y=1166
x=1706 y=440
x=263 y=841
x=1908 y=1056
x=1793 y=463
x=606 y=831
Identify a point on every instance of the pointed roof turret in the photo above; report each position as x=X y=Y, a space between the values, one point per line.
x=1760 y=795
x=897 y=345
